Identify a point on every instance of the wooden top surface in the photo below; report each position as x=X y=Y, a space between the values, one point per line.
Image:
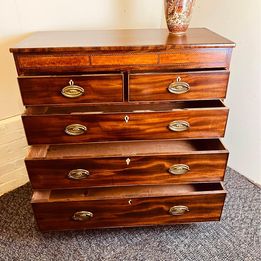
x=119 y=40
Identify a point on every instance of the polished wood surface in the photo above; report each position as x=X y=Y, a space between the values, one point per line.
x=121 y=164
x=98 y=88
x=126 y=147
x=142 y=125
x=124 y=50
x=183 y=59
x=110 y=172
x=154 y=86
x=115 y=40
x=124 y=59
x=133 y=206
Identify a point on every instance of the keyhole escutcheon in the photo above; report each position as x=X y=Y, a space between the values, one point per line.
x=126 y=118
x=128 y=161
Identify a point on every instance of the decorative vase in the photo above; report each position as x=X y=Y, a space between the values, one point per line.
x=178 y=15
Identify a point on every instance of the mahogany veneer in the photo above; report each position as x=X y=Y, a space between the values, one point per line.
x=110 y=124
x=128 y=206
x=149 y=163
x=124 y=126
x=98 y=88
x=154 y=86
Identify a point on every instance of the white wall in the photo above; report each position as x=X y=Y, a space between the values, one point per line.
x=19 y=18
x=238 y=20
x=241 y=22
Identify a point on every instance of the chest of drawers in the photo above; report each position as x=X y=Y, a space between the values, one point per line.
x=124 y=126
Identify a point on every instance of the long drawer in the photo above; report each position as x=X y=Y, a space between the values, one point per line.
x=81 y=62
x=126 y=163
x=127 y=206
x=177 y=120
x=194 y=85
x=95 y=88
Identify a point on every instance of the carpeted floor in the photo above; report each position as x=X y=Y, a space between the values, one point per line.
x=236 y=237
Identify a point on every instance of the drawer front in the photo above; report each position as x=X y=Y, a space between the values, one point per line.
x=128 y=212
x=55 y=129
x=71 y=89
x=181 y=58
x=142 y=170
x=178 y=86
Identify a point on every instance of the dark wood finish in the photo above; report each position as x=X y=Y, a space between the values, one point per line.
x=99 y=88
x=128 y=206
x=201 y=58
x=115 y=40
x=154 y=86
x=142 y=125
x=126 y=145
x=48 y=166
x=126 y=149
x=127 y=107
x=89 y=51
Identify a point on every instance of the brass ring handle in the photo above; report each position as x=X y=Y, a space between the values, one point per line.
x=179 y=169
x=82 y=215
x=78 y=174
x=178 y=210
x=75 y=129
x=72 y=90
x=178 y=87
x=179 y=126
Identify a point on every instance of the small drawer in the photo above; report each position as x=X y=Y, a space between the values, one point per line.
x=178 y=86
x=127 y=206
x=77 y=124
x=126 y=163
x=48 y=90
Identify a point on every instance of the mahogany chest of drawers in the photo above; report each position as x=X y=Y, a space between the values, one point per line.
x=124 y=126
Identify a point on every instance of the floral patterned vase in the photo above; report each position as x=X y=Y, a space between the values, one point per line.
x=178 y=15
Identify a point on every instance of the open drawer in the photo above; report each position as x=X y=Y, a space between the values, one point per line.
x=126 y=163
x=78 y=124
x=128 y=206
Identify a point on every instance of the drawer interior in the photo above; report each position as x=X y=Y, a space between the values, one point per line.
x=126 y=192
x=126 y=148
x=126 y=108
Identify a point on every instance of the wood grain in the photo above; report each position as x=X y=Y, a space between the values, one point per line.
x=122 y=50
x=184 y=59
x=109 y=172
x=126 y=59
x=49 y=129
x=118 y=212
x=128 y=147
x=154 y=86
x=115 y=40
x=41 y=61
x=98 y=88
x=197 y=58
x=149 y=163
